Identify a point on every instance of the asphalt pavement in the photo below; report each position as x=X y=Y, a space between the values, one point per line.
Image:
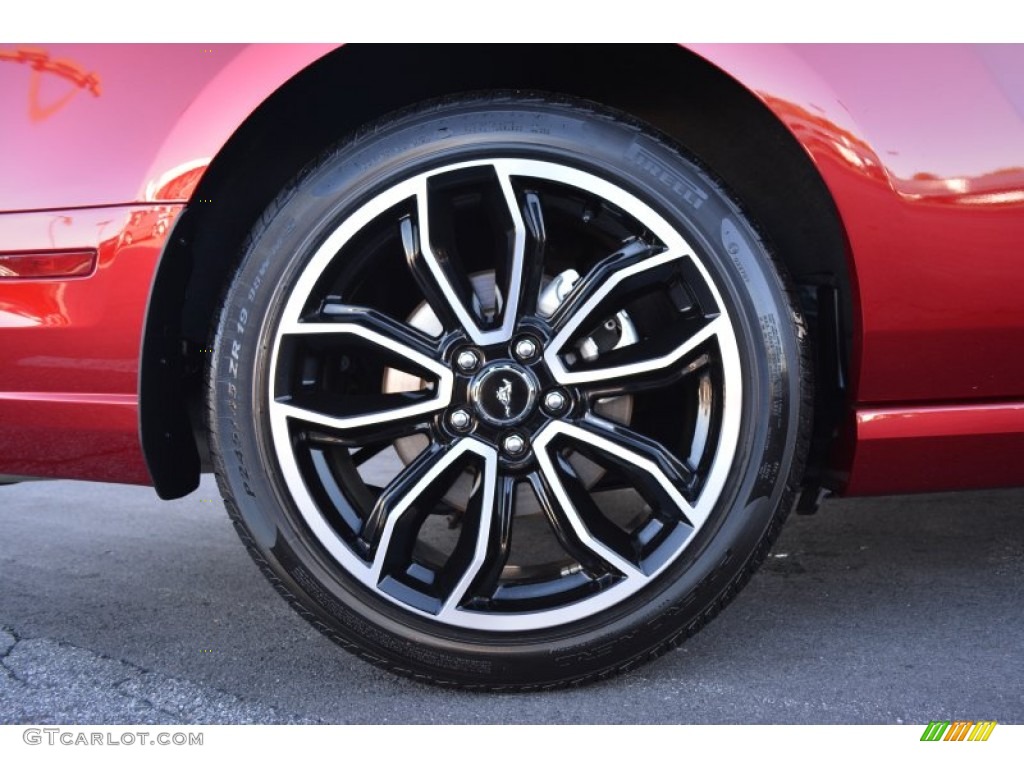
x=116 y=607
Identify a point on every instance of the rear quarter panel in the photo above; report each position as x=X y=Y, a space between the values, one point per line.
x=920 y=146
x=99 y=143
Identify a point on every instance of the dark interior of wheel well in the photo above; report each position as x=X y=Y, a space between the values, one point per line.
x=666 y=86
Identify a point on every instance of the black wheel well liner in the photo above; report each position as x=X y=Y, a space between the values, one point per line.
x=668 y=87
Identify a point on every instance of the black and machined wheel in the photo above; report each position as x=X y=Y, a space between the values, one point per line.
x=508 y=393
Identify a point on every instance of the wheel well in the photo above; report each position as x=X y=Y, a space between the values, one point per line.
x=704 y=110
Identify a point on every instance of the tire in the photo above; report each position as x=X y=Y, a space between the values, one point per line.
x=508 y=393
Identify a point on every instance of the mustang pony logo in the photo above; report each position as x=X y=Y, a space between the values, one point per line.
x=505 y=397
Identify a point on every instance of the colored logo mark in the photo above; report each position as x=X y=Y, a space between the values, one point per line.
x=958 y=730
x=40 y=63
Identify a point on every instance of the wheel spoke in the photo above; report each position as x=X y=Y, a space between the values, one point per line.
x=642 y=382
x=662 y=479
x=533 y=256
x=633 y=258
x=401 y=492
x=566 y=502
x=445 y=283
x=647 y=362
x=487 y=538
x=510 y=255
x=378 y=417
x=372 y=328
x=390 y=334
x=446 y=289
x=390 y=529
x=384 y=414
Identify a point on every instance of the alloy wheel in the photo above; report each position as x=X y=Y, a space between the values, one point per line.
x=467 y=394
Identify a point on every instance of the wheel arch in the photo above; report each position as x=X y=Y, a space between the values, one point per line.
x=750 y=148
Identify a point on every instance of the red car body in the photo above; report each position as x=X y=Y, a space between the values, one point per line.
x=105 y=149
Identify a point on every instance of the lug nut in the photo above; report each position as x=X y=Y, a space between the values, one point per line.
x=525 y=349
x=467 y=360
x=555 y=401
x=460 y=420
x=513 y=445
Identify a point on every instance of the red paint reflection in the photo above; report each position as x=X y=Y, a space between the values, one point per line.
x=80 y=334
x=997 y=187
x=41 y=63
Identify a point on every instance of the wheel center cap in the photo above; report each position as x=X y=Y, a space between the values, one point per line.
x=504 y=393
